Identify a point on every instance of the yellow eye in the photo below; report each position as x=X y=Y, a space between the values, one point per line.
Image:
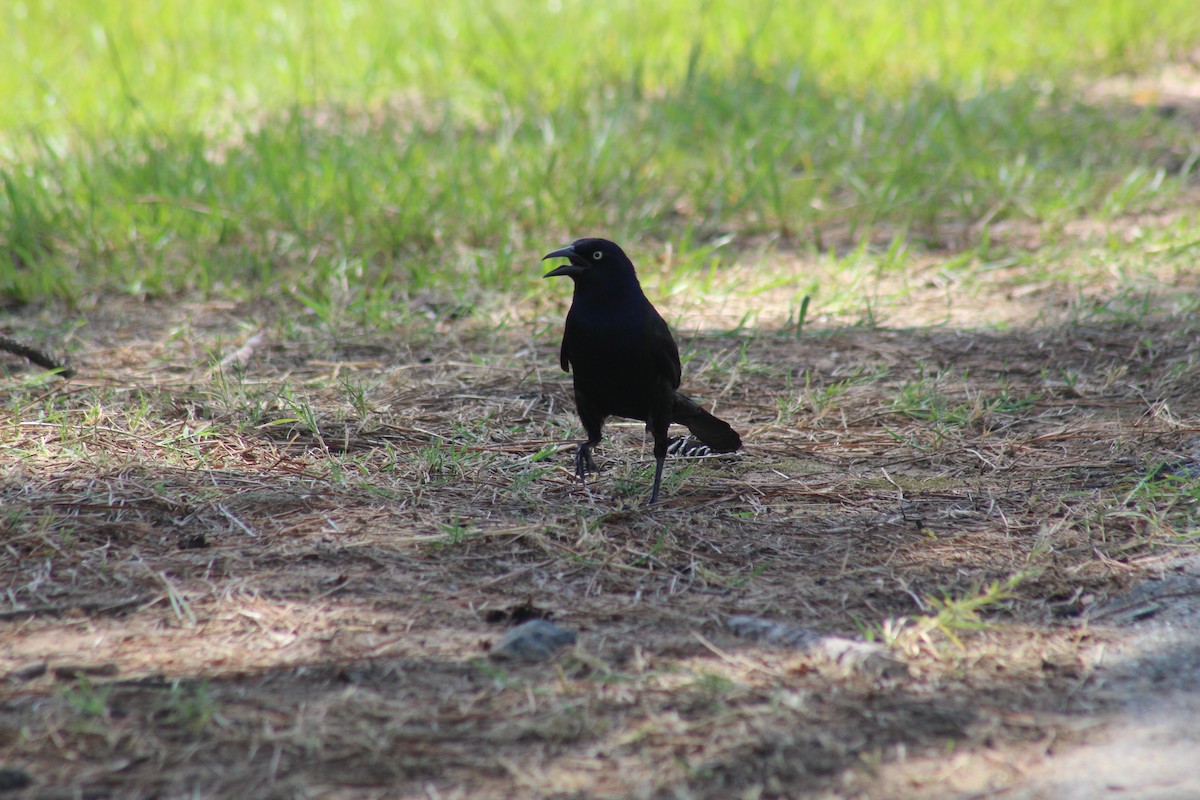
x=597 y=255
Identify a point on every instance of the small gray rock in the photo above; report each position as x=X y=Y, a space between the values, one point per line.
x=535 y=640
x=865 y=657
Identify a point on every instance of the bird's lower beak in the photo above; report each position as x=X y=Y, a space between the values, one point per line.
x=565 y=269
x=570 y=268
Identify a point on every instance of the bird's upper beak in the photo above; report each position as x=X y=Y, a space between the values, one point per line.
x=570 y=268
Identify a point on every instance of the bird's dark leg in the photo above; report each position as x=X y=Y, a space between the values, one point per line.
x=658 y=470
x=658 y=428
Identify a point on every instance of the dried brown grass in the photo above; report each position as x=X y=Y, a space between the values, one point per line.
x=294 y=586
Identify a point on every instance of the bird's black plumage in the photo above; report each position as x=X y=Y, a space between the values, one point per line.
x=623 y=358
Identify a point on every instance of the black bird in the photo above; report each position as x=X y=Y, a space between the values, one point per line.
x=624 y=360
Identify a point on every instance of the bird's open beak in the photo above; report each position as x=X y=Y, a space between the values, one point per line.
x=570 y=268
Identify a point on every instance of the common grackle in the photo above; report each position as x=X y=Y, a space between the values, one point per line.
x=623 y=358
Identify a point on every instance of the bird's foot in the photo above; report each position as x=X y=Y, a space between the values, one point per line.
x=583 y=461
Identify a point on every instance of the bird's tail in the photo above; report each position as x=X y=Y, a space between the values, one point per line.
x=714 y=432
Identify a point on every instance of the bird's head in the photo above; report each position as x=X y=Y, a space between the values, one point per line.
x=590 y=259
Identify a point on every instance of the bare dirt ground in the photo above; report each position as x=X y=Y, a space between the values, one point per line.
x=286 y=582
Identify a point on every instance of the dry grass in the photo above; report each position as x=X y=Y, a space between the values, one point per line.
x=292 y=569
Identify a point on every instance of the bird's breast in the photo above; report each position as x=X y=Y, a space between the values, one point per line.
x=615 y=368
x=605 y=338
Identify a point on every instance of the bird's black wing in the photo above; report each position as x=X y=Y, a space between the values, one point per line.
x=662 y=348
x=564 y=359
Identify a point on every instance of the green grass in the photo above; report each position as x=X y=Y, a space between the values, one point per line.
x=94 y=64
x=378 y=149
